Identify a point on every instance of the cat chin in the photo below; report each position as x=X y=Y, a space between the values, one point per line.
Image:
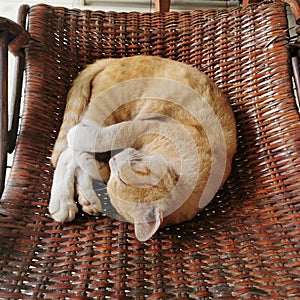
x=146 y=220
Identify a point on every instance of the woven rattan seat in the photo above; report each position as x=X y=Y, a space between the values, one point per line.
x=244 y=245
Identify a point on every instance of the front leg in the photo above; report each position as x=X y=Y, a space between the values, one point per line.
x=62 y=206
x=87 y=197
x=98 y=139
x=88 y=163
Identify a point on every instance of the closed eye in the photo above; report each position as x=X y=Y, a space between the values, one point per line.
x=121 y=179
x=135 y=158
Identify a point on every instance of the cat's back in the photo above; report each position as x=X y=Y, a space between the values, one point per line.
x=142 y=66
x=131 y=86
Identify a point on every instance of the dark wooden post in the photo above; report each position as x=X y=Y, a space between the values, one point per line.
x=162 y=5
x=3 y=105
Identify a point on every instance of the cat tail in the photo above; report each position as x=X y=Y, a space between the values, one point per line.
x=77 y=100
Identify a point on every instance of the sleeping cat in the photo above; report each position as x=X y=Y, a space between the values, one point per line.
x=176 y=132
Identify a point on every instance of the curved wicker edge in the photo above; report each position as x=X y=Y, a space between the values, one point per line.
x=294 y=4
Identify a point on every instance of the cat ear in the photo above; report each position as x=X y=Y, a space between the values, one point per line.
x=145 y=229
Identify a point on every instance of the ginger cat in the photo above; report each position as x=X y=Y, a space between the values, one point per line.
x=177 y=132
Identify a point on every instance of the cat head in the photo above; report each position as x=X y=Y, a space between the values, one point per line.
x=140 y=188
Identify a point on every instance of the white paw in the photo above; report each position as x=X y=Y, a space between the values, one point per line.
x=63 y=210
x=90 y=203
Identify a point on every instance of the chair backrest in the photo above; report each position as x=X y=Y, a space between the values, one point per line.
x=243 y=246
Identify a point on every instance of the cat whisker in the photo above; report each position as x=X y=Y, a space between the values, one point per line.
x=102 y=189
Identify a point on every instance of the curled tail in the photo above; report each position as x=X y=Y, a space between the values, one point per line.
x=77 y=101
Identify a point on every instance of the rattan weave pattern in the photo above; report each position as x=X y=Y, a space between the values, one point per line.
x=245 y=245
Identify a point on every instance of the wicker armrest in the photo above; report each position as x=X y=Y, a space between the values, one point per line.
x=17 y=36
x=12 y=38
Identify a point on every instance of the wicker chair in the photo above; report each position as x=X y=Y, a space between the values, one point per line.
x=244 y=245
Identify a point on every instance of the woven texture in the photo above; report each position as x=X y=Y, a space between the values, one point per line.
x=244 y=245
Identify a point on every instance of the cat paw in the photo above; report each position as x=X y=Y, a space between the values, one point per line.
x=92 y=206
x=63 y=212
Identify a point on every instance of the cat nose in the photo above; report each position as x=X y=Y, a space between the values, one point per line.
x=113 y=158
